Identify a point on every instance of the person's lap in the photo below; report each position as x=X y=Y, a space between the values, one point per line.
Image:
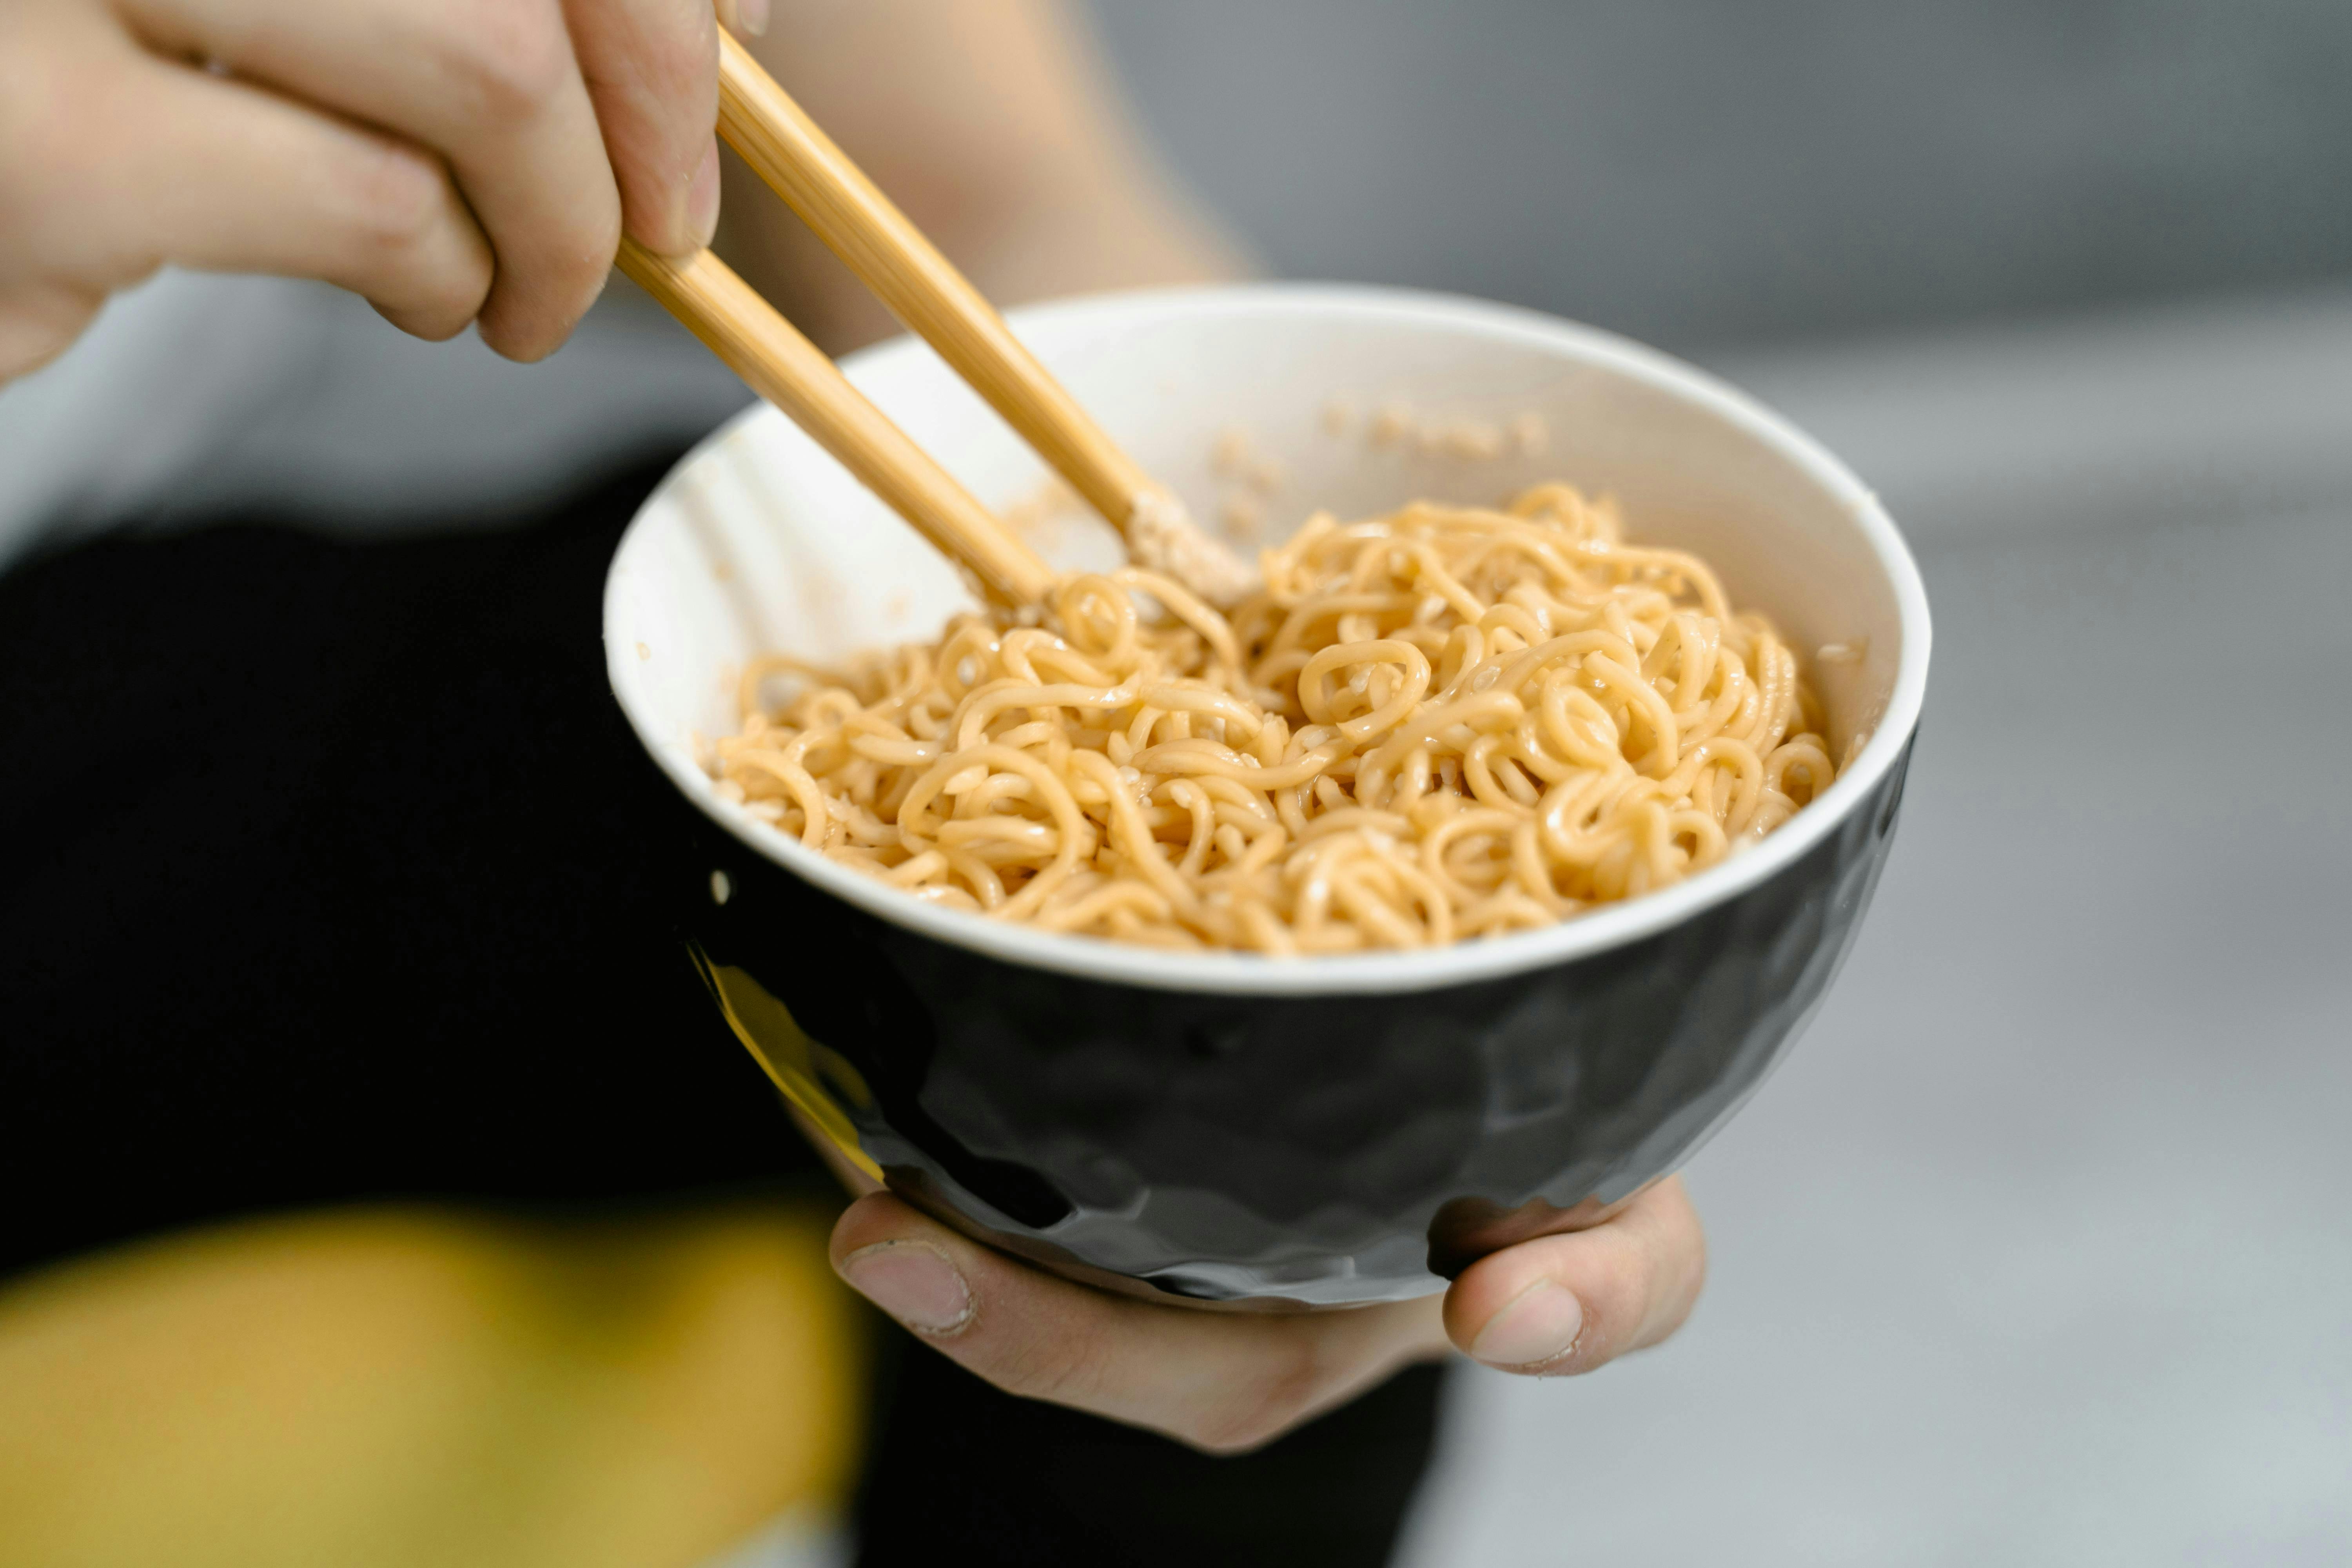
x=329 y=878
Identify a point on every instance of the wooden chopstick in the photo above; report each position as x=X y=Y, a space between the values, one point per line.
x=894 y=260
x=770 y=354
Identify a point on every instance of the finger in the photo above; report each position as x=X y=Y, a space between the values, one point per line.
x=39 y=322
x=744 y=18
x=491 y=85
x=214 y=175
x=652 y=69
x=1225 y=1381
x=1564 y=1304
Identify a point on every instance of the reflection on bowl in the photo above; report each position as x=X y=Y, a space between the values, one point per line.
x=1220 y=1128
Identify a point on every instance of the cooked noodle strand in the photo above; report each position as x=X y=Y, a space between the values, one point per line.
x=1449 y=722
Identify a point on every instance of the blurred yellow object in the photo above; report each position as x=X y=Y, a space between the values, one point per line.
x=410 y=1387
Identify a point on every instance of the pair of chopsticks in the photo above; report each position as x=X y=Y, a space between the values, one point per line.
x=801 y=163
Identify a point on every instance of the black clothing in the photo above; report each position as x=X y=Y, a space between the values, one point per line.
x=325 y=875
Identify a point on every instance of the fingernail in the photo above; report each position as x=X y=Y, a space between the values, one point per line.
x=913 y=1281
x=702 y=196
x=1535 y=1328
x=752 y=17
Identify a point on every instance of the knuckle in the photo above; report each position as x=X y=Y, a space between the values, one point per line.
x=679 y=54
x=39 y=324
x=1673 y=1266
x=659 y=107
x=685 y=72
x=601 y=238
x=1684 y=1297
x=45 y=146
x=400 y=196
x=408 y=238
x=1695 y=1264
x=508 y=60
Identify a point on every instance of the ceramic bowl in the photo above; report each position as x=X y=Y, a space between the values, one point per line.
x=1228 y=1129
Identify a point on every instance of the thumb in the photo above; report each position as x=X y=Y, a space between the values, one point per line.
x=1566 y=1304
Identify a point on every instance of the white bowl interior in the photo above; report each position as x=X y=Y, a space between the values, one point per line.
x=759 y=543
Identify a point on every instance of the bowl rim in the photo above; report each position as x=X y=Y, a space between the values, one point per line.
x=1386 y=970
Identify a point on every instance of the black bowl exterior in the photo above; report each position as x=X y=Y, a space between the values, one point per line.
x=1271 y=1152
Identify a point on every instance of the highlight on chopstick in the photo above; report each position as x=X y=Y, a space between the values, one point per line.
x=923 y=289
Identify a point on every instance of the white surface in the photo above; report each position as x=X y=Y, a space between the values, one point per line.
x=800 y=1539
x=195 y=395
x=2178 y=412
x=2038 y=1250
x=758 y=543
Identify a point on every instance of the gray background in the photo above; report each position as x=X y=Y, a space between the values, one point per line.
x=2039 y=1251
x=1698 y=171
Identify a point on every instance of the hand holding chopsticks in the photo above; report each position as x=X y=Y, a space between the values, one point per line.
x=828 y=192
